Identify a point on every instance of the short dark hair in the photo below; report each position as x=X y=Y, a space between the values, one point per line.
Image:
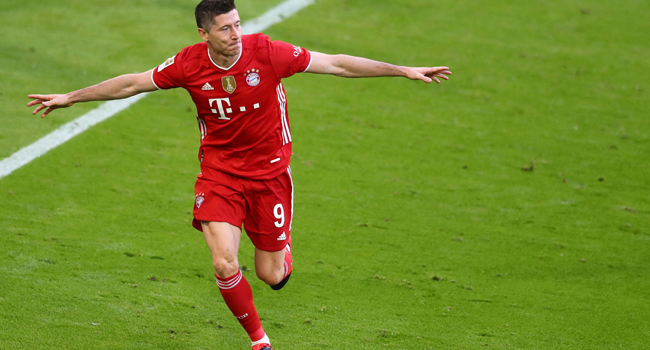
x=207 y=10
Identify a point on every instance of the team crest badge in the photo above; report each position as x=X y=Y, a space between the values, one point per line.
x=253 y=77
x=229 y=84
x=199 y=199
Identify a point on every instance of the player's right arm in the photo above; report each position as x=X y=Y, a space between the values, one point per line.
x=120 y=87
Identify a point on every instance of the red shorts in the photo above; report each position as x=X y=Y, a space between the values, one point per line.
x=264 y=207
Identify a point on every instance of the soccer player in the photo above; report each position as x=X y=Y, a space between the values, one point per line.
x=245 y=179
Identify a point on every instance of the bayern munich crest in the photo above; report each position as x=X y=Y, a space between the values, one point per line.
x=199 y=199
x=252 y=77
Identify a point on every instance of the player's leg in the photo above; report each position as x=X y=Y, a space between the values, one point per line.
x=268 y=224
x=223 y=240
x=219 y=213
x=274 y=268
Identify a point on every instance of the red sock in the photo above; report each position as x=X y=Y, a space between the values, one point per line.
x=238 y=296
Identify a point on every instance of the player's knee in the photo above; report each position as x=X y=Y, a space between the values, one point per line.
x=225 y=267
x=269 y=277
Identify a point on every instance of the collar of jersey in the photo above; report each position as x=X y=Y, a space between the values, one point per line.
x=218 y=66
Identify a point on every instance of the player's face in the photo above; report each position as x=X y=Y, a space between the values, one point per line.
x=225 y=34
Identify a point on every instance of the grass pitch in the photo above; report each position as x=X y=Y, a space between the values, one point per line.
x=507 y=207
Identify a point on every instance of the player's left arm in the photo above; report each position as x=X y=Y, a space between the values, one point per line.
x=359 y=67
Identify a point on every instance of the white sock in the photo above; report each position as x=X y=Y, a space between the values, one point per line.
x=264 y=340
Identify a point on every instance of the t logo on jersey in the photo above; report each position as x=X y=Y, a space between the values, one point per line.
x=224 y=107
x=220 y=104
x=229 y=84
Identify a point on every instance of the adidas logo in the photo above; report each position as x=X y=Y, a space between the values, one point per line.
x=207 y=86
x=282 y=237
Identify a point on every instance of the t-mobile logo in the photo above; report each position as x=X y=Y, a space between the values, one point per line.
x=224 y=107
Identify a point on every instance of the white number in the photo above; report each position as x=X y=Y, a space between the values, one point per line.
x=278 y=212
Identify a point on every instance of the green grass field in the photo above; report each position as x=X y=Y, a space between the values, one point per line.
x=416 y=225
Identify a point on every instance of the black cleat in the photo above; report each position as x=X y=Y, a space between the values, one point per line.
x=282 y=283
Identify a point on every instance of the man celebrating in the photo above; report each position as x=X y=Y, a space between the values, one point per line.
x=245 y=179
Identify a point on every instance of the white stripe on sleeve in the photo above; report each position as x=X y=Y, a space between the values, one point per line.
x=154 y=83
x=311 y=57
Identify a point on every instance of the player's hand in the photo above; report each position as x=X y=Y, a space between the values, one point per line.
x=429 y=74
x=51 y=102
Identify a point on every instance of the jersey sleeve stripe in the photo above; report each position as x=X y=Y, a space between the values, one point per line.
x=310 y=59
x=154 y=83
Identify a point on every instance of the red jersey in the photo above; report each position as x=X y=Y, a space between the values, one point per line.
x=241 y=110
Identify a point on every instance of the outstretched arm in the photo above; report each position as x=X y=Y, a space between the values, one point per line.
x=358 y=67
x=123 y=86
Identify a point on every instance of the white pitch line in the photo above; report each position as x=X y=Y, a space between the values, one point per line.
x=275 y=15
x=64 y=133
x=110 y=108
